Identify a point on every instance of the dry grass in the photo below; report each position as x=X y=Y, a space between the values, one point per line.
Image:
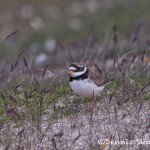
x=45 y=114
x=38 y=110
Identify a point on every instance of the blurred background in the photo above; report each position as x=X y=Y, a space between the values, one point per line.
x=54 y=32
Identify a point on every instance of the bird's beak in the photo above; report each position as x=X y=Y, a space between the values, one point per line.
x=71 y=72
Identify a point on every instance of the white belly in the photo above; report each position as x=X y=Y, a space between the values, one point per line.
x=85 y=88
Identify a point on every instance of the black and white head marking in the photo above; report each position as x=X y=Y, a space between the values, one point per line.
x=77 y=69
x=80 y=72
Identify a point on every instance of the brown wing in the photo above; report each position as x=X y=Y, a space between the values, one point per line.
x=97 y=76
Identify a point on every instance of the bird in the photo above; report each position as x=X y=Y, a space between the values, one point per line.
x=87 y=82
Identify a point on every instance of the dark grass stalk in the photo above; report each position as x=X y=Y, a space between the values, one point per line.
x=123 y=74
x=121 y=71
x=126 y=90
x=115 y=111
x=61 y=113
x=32 y=91
x=42 y=91
x=7 y=147
x=20 y=134
x=40 y=107
x=98 y=69
x=45 y=91
x=10 y=111
x=10 y=35
x=5 y=93
x=126 y=100
x=135 y=37
x=141 y=104
x=26 y=96
x=115 y=36
x=54 y=106
x=16 y=88
x=133 y=59
x=118 y=103
x=115 y=60
x=143 y=55
x=2 y=95
x=59 y=134
x=124 y=116
x=13 y=66
x=42 y=137
x=48 y=127
x=143 y=88
x=110 y=97
x=16 y=63
x=54 y=143
x=44 y=71
x=147 y=128
x=1 y=125
x=13 y=99
x=18 y=85
x=25 y=63
x=76 y=138
x=21 y=52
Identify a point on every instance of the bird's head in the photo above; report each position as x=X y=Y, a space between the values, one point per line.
x=76 y=70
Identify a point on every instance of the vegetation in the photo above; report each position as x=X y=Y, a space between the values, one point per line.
x=38 y=110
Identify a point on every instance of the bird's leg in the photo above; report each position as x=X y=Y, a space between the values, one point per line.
x=94 y=103
x=86 y=103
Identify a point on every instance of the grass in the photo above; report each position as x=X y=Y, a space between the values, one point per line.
x=35 y=110
x=38 y=110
